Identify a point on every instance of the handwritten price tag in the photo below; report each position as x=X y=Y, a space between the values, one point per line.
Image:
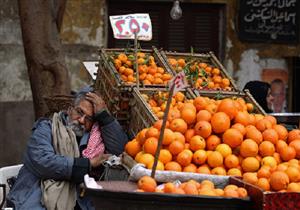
x=179 y=82
x=124 y=26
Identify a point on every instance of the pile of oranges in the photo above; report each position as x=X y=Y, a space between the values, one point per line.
x=222 y=137
x=201 y=75
x=149 y=72
x=191 y=187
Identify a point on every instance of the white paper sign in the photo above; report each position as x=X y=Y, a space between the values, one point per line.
x=124 y=26
x=91 y=67
x=179 y=82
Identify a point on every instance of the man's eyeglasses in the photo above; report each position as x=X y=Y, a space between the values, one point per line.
x=79 y=113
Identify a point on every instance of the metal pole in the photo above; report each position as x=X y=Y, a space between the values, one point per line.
x=136 y=63
x=162 y=130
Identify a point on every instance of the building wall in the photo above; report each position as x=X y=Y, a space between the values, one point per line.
x=82 y=34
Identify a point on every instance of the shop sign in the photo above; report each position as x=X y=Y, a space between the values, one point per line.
x=125 y=26
x=269 y=20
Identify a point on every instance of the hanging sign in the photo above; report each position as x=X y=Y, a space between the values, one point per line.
x=179 y=82
x=125 y=26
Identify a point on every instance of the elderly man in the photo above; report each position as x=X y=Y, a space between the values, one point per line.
x=53 y=164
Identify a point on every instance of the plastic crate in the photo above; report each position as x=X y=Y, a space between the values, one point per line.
x=208 y=58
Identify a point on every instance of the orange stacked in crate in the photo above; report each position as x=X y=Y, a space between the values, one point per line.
x=203 y=71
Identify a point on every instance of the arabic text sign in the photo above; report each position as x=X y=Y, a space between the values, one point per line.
x=269 y=20
x=124 y=26
x=179 y=82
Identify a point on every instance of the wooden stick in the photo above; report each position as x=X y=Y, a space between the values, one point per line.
x=136 y=63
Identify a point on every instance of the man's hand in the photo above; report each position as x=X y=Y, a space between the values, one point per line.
x=97 y=101
x=98 y=160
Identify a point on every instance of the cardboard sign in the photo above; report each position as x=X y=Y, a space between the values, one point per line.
x=179 y=82
x=125 y=26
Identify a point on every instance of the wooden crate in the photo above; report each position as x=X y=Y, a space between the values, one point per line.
x=208 y=58
x=114 y=90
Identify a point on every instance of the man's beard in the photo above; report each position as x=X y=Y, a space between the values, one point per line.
x=76 y=127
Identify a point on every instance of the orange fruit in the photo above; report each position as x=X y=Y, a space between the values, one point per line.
x=189 y=134
x=250 y=164
x=192 y=168
x=199 y=157
x=133 y=147
x=146 y=159
x=266 y=148
x=203 y=115
x=150 y=145
x=281 y=145
x=215 y=159
x=178 y=125
x=168 y=136
x=250 y=177
x=224 y=149
x=242 y=192
x=204 y=169
x=249 y=148
x=190 y=189
x=241 y=128
x=203 y=128
x=147 y=183
x=200 y=103
x=264 y=172
x=254 y=134
x=232 y=137
x=159 y=165
x=270 y=135
x=242 y=117
x=169 y=187
x=197 y=142
x=296 y=145
x=158 y=124
x=263 y=183
x=188 y=115
x=234 y=172
x=176 y=147
x=293 y=134
x=178 y=137
x=179 y=96
x=212 y=142
x=184 y=158
x=220 y=122
x=138 y=156
x=281 y=131
x=293 y=187
x=228 y=106
x=231 y=161
x=288 y=153
x=173 y=114
x=141 y=136
x=231 y=193
x=279 y=180
x=272 y=119
x=218 y=171
x=293 y=174
x=173 y=166
x=263 y=124
x=250 y=107
x=152 y=132
x=269 y=161
x=165 y=156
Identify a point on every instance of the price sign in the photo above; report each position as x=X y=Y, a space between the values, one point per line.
x=125 y=26
x=179 y=82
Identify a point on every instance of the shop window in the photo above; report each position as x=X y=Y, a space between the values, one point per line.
x=201 y=26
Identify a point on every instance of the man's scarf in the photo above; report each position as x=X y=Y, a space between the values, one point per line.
x=60 y=195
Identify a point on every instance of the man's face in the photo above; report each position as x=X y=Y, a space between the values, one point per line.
x=83 y=114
